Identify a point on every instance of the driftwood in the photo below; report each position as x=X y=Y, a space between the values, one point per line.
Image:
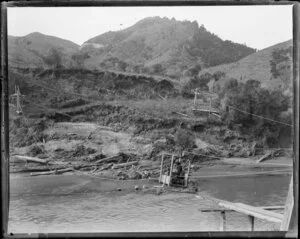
x=105 y=167
x=122 y=165
x=36 y=169
x=30 y=159
x=266 y=156
x=52 y=172
x=163 y=98
x=274 y=153
x=185 y=115
x=115 y=158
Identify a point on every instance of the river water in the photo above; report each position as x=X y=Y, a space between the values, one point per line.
x=73 y=203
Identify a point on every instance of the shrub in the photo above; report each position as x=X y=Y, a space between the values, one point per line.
x=184 y=140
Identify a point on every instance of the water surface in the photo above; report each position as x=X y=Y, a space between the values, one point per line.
x=72 y=203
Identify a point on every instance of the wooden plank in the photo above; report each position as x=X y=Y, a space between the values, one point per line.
x=161 y=167
x=253 y=211
x=229 y=210
x=272 y=207
x=288 y=208
x=262 y=211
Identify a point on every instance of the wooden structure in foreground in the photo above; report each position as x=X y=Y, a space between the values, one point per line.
x=264 y=213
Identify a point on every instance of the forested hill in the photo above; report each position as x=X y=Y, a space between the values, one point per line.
x=162 y=46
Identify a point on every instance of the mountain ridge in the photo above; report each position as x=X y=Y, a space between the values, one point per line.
x=155 y=45
x=173 y=45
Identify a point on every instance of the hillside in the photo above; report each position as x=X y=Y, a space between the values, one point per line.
x=255 y=66
x=161 y=46
x=35 y=50
x=156 y=46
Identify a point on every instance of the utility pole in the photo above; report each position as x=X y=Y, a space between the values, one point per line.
x=18 y=95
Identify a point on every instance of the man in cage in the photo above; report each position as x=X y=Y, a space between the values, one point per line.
x=178 y=173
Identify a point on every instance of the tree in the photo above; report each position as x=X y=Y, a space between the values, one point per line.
x=196 y=82
x=281 y=65
x=193 y=71
x=79 y=59
x=218 y=75
x=184 y=140
x=157 y=69
x=54 y=57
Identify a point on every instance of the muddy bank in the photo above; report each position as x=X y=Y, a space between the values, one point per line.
x=124 y=143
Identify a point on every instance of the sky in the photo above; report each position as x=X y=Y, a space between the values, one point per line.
x=256 y=26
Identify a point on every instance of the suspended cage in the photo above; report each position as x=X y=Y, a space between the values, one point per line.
x=174 y=170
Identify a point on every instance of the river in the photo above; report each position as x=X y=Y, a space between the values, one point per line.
x=73 y=203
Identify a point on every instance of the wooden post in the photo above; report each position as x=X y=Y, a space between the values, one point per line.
x=188 y=173
x=209 y=115
x=209 y=103
x=223 y=221
x=171 y=169
x=161 y=167
x=251 y=218
x=288 y=208
x=18 y=100
x=195 y=98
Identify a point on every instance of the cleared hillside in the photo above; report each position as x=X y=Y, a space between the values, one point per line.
x=255 y=66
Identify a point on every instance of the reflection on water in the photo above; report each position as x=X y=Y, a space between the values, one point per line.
x=263 y=190
x=139 y=212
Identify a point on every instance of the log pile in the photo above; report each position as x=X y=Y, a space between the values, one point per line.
x=39 y=166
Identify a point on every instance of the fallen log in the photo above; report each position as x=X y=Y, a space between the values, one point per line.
x=115 y=158
x=52 y=172
x=105 y=167
x=185 y=115
x=266 y=156
x=36 y=169
x=30 y=159
x=122 y=165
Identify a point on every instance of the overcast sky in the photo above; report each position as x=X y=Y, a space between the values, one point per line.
x=256 y=26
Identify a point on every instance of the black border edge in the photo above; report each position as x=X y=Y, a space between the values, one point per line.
x=293 y=229
x=87 y=3
x=4 y=122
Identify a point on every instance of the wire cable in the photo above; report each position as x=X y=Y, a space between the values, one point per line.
x=243 y=111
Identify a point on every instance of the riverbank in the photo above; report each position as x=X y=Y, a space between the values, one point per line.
x=86 y=181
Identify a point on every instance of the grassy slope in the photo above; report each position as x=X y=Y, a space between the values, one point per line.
x=255 y=66
x=22 y=50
